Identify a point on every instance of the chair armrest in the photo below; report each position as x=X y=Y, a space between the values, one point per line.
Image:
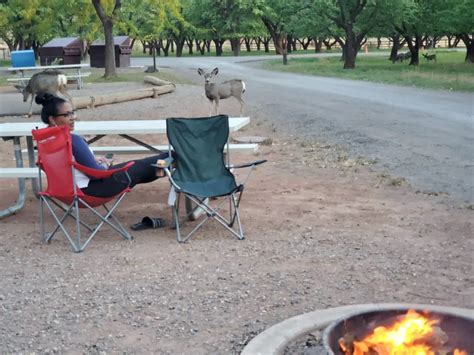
x=101 y=174
x=246 y=165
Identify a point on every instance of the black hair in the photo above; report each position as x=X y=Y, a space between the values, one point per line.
x=50 y=104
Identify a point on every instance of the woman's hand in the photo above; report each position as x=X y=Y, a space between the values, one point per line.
x=107 y=163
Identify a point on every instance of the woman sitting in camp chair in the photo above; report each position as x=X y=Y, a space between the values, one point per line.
x=59 y=112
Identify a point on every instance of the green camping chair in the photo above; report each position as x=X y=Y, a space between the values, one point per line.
x=200 y=173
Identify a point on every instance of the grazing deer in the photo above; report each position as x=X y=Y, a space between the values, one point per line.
x=218 y=91
x=402 y=56
x=52 y=81
x=429 y=57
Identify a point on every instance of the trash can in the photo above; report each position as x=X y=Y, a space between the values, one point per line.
x=24 y=58
x=62 y=50
x=122 y=52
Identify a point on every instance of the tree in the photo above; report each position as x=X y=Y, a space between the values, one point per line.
x=147 y=20
x=417 y=19
x=222 y=20
x=458 y=20
x=25 y=23
x=276 y=16
x=356 y=18
x=108 y=11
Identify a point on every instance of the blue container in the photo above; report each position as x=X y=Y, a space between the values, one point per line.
x=24 y=58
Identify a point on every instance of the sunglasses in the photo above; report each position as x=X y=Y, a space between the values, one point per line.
x=66 y=114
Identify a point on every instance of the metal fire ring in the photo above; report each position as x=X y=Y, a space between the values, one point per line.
x=274 y=340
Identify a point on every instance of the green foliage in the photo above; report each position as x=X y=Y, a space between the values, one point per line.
x=148 y=19
x=34 y=22
x=223 y=19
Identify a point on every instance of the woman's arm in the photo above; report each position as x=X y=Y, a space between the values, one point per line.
x=82 y=153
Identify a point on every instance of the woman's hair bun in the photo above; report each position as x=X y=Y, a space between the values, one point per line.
x=44 y=98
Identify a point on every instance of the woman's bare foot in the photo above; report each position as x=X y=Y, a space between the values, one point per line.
x=161 y=164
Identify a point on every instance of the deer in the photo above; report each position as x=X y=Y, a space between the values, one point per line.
x=429 y=57
x=402 y=56
x=217 y=91
x=52 y=81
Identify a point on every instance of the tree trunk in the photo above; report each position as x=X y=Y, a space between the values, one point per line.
x=154 y=58
x=456 y=41
x=289 y=40
x=258 y=43
x=469 y=42
x=414 y=47
x=395 y=48
x=235 y=44
x=248 y=42
x=351 y=51
x=379 y=42
x=218 y=44
x=109 y=50
x=157 y=46
x=266 y=44
x=108 y=24
x=165 y=48
x=328 y=44
x=200 y=48
x=318 y=45
x=190 y=44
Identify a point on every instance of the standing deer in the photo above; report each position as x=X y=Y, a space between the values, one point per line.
x=429 y=57
x=51 y=81
x=218 y=91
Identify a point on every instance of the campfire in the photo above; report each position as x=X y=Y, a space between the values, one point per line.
x=413 y=333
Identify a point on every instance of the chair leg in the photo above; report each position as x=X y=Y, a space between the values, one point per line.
x=74 y=212
x=78 y=226
x=175 y=215
x=119 y=225
x=59 y=225
x=42 y=217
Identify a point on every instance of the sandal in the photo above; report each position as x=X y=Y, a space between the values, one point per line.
x=148 y=223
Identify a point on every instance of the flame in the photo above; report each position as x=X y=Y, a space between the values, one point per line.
x=407 y=336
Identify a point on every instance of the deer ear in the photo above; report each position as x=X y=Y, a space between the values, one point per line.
x=200 y=71
x=215 y=71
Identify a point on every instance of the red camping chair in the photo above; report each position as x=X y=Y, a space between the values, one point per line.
x=56 y=160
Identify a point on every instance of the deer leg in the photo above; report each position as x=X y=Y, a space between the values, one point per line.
x=241 y=105
x=217 y=106
x=211 y=103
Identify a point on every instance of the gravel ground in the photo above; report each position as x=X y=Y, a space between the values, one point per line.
x=323 y=230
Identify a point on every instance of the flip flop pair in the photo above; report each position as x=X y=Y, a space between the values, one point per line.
x=148 y=223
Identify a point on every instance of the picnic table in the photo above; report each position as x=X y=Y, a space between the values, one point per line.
x=98 y=129
x=77 y=67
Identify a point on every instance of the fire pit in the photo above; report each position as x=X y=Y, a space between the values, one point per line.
x=400 y=331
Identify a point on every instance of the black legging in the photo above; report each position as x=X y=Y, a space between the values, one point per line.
x=140 y=173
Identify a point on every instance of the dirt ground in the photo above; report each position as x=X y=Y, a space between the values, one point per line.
x=322 y=230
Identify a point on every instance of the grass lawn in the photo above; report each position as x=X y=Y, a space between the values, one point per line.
x=226 y=53
x=450 y=72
